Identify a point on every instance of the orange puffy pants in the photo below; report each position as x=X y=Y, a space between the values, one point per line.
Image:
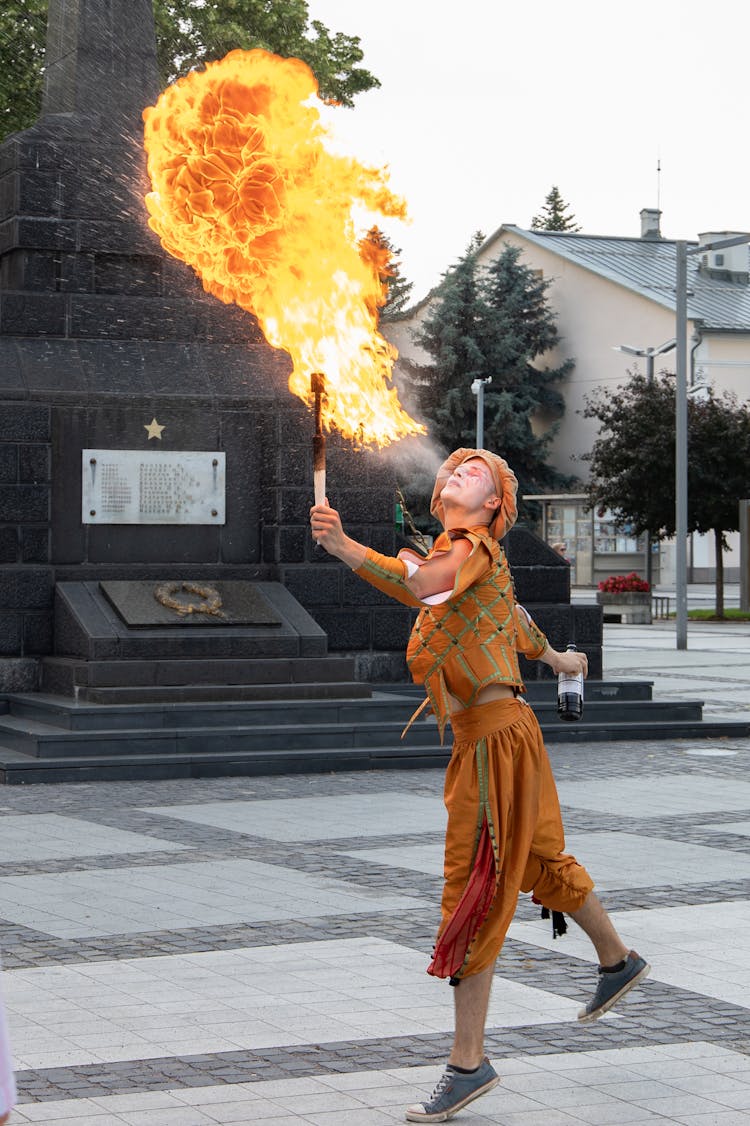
x=504 y=835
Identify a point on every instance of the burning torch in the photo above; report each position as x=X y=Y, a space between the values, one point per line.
x=318 y=386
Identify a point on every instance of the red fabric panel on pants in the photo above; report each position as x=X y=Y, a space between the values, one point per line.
x=470 y=912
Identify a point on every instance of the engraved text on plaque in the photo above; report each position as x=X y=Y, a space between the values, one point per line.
x=153 y=487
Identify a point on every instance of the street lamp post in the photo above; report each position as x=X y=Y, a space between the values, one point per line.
x=682 y=252
x=477 y=389
x=681 y=445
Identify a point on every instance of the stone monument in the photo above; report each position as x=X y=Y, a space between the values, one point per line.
x=146 y=429
x=147 y=434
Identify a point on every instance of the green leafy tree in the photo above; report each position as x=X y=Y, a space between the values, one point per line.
x=23 y=29
x=188 y=34
x=377 y=247
x=633 y=461
x=491 y=323
x=554 y=215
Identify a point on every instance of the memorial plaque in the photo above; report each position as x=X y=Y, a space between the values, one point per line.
x=151 y=605
x=153 y=487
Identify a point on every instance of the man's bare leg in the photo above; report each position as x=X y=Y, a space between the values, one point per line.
x=619 y=968
x=594 y=920
x=455 y=1090
x=471 y=1000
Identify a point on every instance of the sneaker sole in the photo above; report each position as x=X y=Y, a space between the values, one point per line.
x=446 y=1115
x=583 y=1016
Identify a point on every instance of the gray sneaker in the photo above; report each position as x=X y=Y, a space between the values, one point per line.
x=453 y=1092
x=613 y=986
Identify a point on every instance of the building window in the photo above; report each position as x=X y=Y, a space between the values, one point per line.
x=611 y=539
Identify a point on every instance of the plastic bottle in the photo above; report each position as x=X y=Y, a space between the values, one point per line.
x=570 y=693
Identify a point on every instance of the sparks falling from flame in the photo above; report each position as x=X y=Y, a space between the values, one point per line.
x=247 y=193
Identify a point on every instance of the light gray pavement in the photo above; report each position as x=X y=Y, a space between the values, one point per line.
x=242 y=951
x=715 y=667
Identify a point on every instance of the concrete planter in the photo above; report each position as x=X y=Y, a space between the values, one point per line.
x=633 y=606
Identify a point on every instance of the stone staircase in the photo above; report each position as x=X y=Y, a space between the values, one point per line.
x=180 y=731
x=211 y=699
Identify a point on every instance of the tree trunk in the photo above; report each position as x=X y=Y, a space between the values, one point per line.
x=719 y=573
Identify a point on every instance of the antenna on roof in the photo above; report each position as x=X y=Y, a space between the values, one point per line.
x=658 y=182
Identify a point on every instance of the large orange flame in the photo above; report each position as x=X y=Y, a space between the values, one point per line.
x=247 y=192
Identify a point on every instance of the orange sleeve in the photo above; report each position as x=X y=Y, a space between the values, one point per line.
x=470 y=571
x=387 y=574
x=529 y=638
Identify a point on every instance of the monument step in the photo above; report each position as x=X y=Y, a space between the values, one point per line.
x=18 y=768
x=545 y=690
x=174 y=694
x=594 y=690
x=64 y=674
x=44 y=741
x=84 y=680
x=67 y=715
x=78 y=731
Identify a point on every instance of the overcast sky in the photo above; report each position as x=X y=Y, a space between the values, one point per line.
x=485 y=104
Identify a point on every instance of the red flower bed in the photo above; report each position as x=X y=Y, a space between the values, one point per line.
x=624 y=584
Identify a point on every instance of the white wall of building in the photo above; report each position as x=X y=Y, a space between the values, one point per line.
x=594 y=315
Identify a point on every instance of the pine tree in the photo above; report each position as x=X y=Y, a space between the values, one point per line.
x=377 y=248
x=519 y=326
x=492 y=322
x=452 y=335
x=553 y=215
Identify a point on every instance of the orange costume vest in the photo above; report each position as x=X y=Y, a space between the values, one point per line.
x=469 y=637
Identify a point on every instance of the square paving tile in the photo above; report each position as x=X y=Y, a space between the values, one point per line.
x=179 y=896
x=318 y=818
x=738 y=828
x=252 y=998
x=630 y=860
x=701 y=948
x=665 y=795
x=615 y=860
x=49 y=836
x=427 y=858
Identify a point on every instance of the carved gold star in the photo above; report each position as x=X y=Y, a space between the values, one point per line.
x=154 y=429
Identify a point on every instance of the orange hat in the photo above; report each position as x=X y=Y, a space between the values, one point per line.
x=506 y=487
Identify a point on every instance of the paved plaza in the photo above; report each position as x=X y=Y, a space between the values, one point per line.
x=253 y=951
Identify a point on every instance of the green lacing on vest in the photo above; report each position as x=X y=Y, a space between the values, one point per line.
x=430 y=624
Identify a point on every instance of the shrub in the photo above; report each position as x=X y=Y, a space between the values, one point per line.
x=623 y=584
